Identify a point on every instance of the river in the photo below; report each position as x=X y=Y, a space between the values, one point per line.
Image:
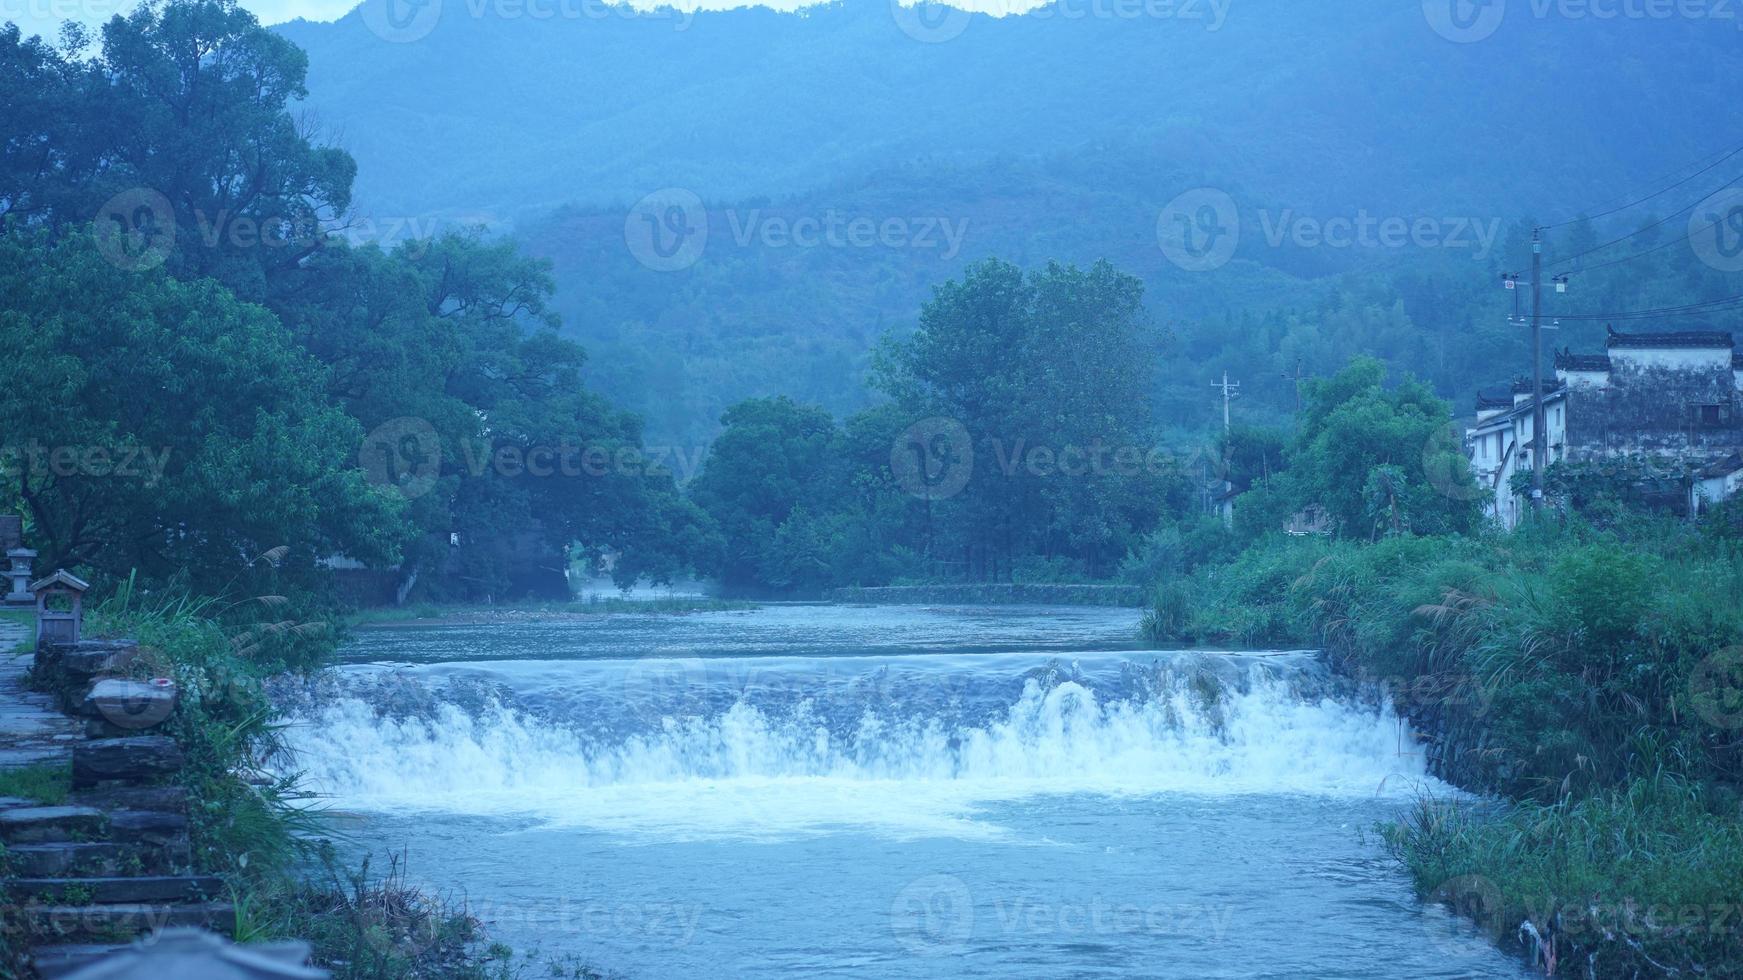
x=840 y=791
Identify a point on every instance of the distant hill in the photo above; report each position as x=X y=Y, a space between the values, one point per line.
x=1040 y=136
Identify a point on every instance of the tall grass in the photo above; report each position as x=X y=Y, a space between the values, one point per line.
x=1590 y=676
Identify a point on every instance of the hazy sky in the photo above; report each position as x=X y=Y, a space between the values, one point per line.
x=44 y=16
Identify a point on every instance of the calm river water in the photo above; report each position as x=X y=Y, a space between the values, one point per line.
x=837 y=791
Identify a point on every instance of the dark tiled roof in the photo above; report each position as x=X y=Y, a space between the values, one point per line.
x=1567 y=360
x=1691 y=339
x=1488 y=401
x=1724 y=467
x=1522 y=386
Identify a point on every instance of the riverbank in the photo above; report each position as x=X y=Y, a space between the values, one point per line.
x=1589 y=676
x=993 y=594
x=256 y=845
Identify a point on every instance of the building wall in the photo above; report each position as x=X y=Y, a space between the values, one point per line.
x=1676 y=403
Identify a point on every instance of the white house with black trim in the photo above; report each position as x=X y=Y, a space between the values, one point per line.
x=1669 y=396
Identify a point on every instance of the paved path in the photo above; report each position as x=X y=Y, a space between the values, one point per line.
x=32 y=731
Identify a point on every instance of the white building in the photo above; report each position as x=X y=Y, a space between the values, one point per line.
x=1670 y=396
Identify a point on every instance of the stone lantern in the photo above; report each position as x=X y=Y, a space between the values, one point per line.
x=18 y=573
x=60 y=607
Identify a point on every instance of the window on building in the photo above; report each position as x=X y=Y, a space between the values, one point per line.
x=1710 y=416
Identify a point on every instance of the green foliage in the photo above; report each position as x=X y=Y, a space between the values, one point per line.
x=47 y=784
x=1590 y=675
x=1640 y=880
x=1048 y=374
x=1376 y=458
x=266 y=384
x=146 y=408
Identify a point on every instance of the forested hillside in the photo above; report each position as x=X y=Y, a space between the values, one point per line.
x=1033 y=138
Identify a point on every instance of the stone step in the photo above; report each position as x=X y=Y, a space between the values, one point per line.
x=43 y=824
x=168 y=799
x=135 y=759
x=147 y=826
x=118 y=923
x=88 y=658
x=52 y=962
x=128 y=705
x=64 y=858
x=116 y=890
x=28 y=756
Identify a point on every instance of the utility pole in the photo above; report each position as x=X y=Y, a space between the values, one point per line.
x=1228 y=388
x=1297 y=377
x=1539 y=438
x=1539 y=428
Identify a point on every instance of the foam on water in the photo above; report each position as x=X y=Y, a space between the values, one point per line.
x=824 y=753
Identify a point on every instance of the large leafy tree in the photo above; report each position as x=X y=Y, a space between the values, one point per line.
x=1049 y=373
x=168 y=427
x=175 y=145
x=1379 y=460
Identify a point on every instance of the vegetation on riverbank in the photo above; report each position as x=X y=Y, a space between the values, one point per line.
x=1586 y=668
x=252 y=824
x=1591 y=674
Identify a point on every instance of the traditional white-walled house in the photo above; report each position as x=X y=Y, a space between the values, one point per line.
x=1663 y=395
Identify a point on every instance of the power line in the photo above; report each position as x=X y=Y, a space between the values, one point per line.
x=1658 y=193
x=1655 y=224
x=1691 y=309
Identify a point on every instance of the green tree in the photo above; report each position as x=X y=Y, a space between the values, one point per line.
x=168 y=427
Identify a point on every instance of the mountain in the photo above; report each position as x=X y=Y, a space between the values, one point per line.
x=1062 y=134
